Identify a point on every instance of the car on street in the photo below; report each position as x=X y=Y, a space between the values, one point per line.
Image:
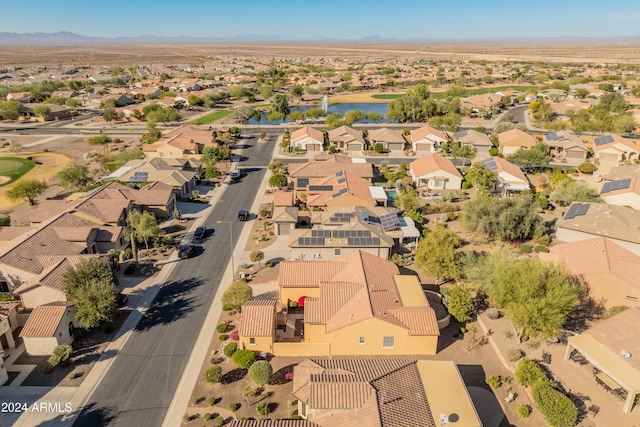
x=235 y=174
x=243 y=215
x=200 y=232
x=185 y=251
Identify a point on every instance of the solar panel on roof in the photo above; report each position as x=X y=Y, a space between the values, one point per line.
x=603 y=140
x=389 y=221
x=310 y=241
x=339 y=173
x=571 y=213
x=320 y=233
x=320 y=187
x=459 y=134
x=338 y=219
x=607 y=187
x=341 y=180
x=303 y=182
x=582 y=209
x=553 y=137
x=344 y=214
x=491 y=164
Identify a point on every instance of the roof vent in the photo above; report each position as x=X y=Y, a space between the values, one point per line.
x=625 y=354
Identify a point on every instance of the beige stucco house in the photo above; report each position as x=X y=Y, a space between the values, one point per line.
x=48 y=326
x=435 y=172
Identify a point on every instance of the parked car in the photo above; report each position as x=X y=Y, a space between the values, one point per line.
x=243 y=215
x=185 y=251
x=200 y=232
x=122 y=299
x=235 y=174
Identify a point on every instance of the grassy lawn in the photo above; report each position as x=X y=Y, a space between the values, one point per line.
x=212 y=117
x=14 y=167
x=388 y=95
x=475 y=91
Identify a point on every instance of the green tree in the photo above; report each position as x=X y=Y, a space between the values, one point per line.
x=335 y=120
x=91 y=285
x=536 y=156
x=558 y=409
x=109 y=114
x=41 y=110
x=407 y=199
x=278 y=180
x=10 y=110
x=257 y=256
x=570 y=190
x=536 y=296
x=61 y=353
x=296 y=115
x=437 y=254
x=150 y=108
x=165 y=115
x=100 y=139
x=280 y=104
x=28 y=189
x=481 y=177
x=374 y=116
x=297 y=91
x=152 y=134
x=378 y=147
x=511 y=219
x=277 y=167
x=74 y=176
x=260 y=372
x=236 y=295
x=315 y=113
x=459 y=301
x=466 y=152
x=353 y=116
x=143 y=226
x=266 y=91
x=195 y=101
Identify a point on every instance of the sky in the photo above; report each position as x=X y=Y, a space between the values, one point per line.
x=342 y=19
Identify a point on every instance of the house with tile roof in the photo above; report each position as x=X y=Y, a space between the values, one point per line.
x=179 y=174
x=8 y=324
x=285 y=219
x=613 y=149
x=308 y=138
x=323 y=165
x=512 y=140
x=381 y=392
x=566 y=147
x=184 y=142
x=510 y=177
x=342 y=188
x=427 y=139
x=585 y=221
x=435 y=172
x=49 y=326
x=478 y=140
x=354 y=304
x=347 y=139
x=613 y=272
x=622 y=192
x=391 y=139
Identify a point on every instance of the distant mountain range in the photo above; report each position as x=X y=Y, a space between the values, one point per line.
x=69 y=38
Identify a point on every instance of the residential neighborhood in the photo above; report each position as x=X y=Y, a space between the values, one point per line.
x=301 y=238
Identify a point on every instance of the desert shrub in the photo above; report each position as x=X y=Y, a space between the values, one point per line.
x=233 y=407
x=586 y=167
x=262 y=409
x=557 y=409
x=525 y=249
x=243 y=358
x=296 y=417
x=223 y=337
x=216 y=360
x=260 y=372
x=515 y=354
x=293 y=304
x=524 y=410
x=206 y=416
x=529 y=372
x=493 y=151
x=230 y=348
x=211 y=401
x=213 y=375
x=492 y=313
x=541 y=248
x=219 y=421
x=5 y=220
x=494 y=381
x=616 y=309
x=543 y=202
x=444 y=217
x=465 y=185
x=222 y=328
x=61 y=354
x=234 y=335
x=7 y=297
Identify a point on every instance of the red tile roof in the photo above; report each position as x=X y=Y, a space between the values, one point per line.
x=433 y=163
x=258 y=318
x=45 y=319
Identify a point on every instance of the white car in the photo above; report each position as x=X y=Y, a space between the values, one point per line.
x=235 y=174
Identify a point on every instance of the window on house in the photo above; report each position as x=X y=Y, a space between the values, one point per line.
x=252 y=341
x=361 y=341
x=4 y=286
x=336 y=251
x=438 y=183
x=388 y=342
x=303 y=409
x=161 y=154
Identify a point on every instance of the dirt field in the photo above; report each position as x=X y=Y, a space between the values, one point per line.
x=127 y=55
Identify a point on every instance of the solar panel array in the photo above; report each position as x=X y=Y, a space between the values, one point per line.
x=320 y=187
x=339 y=173
x=616 y=185
x=303 y=182
x=344 y=214
x=553 y=137
x=603 y=140
x=341 y=234
x=577 y=209
x=341 y=180
x=341 y=191
x=389 y=221
x=490 y=164
x=320 y=233
x=339 y=219
x=363 y=241
x=310 y=241
x=139 y=177
x=460 y=134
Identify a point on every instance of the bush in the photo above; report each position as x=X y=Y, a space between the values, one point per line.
x=541 y=248
x=230 y=349
x=223 y=337
x=466 y=185
x=61 y=354
x=494 y=381
x=543 y=202
x=493 y=151
x=524 y=410
x=211 y=401
x=529 y=372
x=219 y=421
x=586 y=168
x=233 y=407
x=216 y=360
x=515 y=354
x=525 y=249
x=293 y=304
x=378 y=148
x=557 y=409
x=492 y=313
x=206 y=416
x=262 y=409
x=5 y=220
x=213 y=375
x=260 y=372
x=222 y=328
x=243 y=358
x=234 y=335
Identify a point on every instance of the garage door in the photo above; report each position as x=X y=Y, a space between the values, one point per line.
x=354 y=147
x=575 y=155
x=423 y=147
x=608 y=158
x=313 y=147
x=283 y=229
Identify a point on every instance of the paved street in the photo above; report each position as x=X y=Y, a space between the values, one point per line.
x=139 y=386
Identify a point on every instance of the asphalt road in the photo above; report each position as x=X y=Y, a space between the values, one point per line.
x=138 y=388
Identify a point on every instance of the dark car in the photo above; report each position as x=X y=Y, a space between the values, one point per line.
x=243 y=215
x=185 y=251
x=122 y=299
x=200 y=232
